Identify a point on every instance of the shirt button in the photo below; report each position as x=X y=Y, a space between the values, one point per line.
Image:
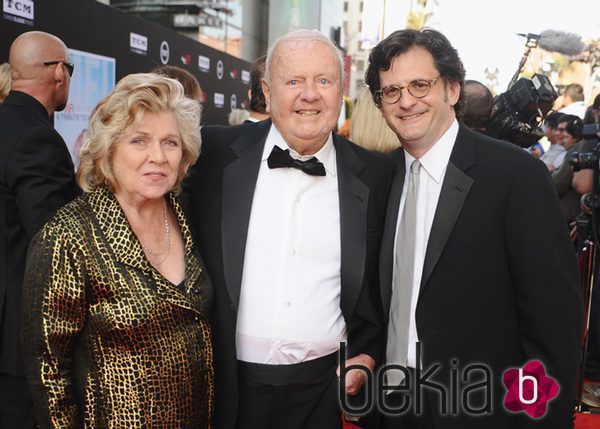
x=288 y=304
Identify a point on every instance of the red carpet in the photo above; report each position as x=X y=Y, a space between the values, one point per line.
x=587 y=421
x=582 y=421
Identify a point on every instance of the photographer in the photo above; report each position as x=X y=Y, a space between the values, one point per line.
x=555 y=154
x=570 y=128
x=582 y=180
x=583 y=183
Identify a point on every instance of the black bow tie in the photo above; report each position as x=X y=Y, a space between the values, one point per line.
x=281 y=158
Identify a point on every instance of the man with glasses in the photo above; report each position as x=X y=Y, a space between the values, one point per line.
x=476 y=264
x=36 y=178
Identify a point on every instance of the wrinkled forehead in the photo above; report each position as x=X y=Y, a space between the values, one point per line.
x=319 y=52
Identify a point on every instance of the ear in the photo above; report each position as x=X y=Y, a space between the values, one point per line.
x=453 y=92
x=267 y=92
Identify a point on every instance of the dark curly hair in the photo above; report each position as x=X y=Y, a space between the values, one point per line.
x=573 y=125
x=445 y=58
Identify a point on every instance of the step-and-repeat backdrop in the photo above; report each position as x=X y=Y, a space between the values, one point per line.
x=107 y=44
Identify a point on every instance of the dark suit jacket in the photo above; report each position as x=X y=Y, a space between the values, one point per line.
x=36 y=178
x=500 y=280
x=221 y=187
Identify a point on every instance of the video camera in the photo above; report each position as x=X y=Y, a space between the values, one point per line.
x=518 y=112
x=587 y=160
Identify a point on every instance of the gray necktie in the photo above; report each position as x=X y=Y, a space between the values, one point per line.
x=397 y=340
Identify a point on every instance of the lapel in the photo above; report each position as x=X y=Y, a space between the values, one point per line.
x=455 y=189
x=354 y=200
x=386 y=262
x=239 y=182
x=127 y=249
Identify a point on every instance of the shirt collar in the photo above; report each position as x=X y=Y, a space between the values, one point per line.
x=325 y=155
x=436 y=159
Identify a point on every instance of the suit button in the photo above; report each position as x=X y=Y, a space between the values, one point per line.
x=232 y=307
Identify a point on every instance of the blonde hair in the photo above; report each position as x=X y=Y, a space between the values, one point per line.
x=237 y=116
x=135 y=95
x=5 y=80
x=368 y=128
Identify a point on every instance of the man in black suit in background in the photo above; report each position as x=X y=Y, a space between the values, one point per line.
x=36 y=178
x=476 y=262
x=289 y=219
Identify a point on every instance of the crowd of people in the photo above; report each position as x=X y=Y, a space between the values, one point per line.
x=274 y=274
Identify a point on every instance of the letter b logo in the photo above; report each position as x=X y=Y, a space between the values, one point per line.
x=532 y=392
x=529 y=389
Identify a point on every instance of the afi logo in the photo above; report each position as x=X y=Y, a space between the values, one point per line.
x=529 y=389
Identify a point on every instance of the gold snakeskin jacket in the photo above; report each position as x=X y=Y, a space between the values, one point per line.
x=107 y=341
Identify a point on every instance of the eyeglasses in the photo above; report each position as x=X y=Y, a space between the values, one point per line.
x=417 y=88
x=70 y=66
x=561 y=129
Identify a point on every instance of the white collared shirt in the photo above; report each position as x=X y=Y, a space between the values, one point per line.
x=433 y=169
x=289 y=308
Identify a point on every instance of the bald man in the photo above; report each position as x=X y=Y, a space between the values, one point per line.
x=36 y=178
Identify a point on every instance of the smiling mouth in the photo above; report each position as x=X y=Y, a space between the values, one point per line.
x=308 y=112
x=155 y=174
x=409 y=117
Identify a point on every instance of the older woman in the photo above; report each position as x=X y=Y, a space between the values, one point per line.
x=115 y=331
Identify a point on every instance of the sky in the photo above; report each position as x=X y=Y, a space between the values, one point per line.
x=484 y=31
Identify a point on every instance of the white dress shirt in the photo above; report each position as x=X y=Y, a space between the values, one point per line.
x=289 y=309
x=433 y=169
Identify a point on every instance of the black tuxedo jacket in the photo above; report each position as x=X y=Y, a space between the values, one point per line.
x=221 y=187
x=500 y=280
x=36 y=178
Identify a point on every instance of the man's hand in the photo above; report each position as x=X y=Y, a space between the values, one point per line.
x=356 y=378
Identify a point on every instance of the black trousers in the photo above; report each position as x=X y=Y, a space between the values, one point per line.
x=298 y=396
x=411 y=419
x=16 y=408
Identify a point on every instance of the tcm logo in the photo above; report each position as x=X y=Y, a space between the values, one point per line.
x=203 y=63
x=138 y=43
x=529 y=389
x=219 y=99
x=245 y=76
x=22 y=8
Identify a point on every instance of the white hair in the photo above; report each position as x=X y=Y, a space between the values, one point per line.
x=307 y=36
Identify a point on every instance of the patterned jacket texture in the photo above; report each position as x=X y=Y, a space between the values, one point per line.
x=107 y=341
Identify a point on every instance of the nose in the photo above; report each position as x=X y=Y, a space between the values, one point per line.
x=406 y=100
x=157 y=153
x=310 y=91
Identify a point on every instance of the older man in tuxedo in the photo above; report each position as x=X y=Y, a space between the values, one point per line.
x=289 y=220
x=476 y=264
x=36 y=178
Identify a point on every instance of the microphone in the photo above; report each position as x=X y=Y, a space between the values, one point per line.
x=561 y=42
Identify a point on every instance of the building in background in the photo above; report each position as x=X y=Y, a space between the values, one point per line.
x=232 y=26
x=356 y=46
x=243 y=28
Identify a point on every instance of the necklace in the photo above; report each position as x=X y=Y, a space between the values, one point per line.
x=162 y=256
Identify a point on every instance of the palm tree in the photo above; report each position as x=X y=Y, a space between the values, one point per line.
x=418 y=19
